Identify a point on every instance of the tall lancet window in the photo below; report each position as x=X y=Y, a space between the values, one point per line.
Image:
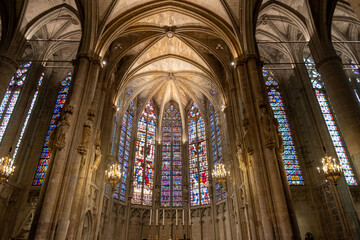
x=45 y=154
x=11 y=97
x=171 y=174
x=144 y=157
x=330 y=121
x=23 y=129
x=124 y=150
x=289 y=156
x=216 y=147
x=198 y=162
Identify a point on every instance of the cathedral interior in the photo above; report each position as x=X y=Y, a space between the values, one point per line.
x=179 y=119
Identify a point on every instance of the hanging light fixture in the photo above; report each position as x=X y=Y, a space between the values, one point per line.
x=113 y=174
x=331 y=169
x=6 y=168
x=219 y=173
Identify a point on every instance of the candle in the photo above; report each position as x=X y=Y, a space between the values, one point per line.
x=183 y=217
x=157 y=217
x=176 y=217
x=150 y=217
x=189 y=217
x=163 y=217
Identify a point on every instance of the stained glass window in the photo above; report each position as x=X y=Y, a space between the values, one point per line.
x=28 y=116
x=216 y=148
x=289 y=156
x=45 y=154
x=124 y=150
x=171 y=174
x=11 y=96
x=330 y=121
x=198 y=162
x=144 y=157
x=355 y=81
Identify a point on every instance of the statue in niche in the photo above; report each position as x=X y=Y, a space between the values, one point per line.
x=87 y=132
x=98 y=154
x=57 y=137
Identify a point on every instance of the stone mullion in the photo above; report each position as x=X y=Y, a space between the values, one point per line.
x=130 y=177
x=212 y=182
x=186 y=179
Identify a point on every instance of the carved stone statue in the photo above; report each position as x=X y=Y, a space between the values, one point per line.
x=266 y=124
x=57 y=137
x=87 y=132
x=98 y=153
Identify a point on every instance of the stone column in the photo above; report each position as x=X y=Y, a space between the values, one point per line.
x=79 y=146
x=344 y=103
x=59 y=183
x=8 y=67
x=274 y=209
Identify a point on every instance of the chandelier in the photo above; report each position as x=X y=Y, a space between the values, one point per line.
x=6 y=168
x=330 y=169
x=113 y=174
x=219 y=173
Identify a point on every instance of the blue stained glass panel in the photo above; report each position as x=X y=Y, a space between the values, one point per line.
x=289 y=155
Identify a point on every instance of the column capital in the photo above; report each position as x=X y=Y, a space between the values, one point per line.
x=93 y=58
x=243 y=59
x=328 y=59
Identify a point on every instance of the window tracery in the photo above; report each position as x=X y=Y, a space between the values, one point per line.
x=144 y=157
x=11 y=96
x=329 y=117
x=124 y=151
x=171 y=174
x=198 y=162
x=216 y=148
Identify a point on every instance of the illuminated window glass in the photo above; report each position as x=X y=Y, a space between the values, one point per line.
x=11 y=97
x=289 y=156
x=33 y=101
x=216 y=148
x=45 y=155
x=330 y=121
x=144 y=157
x=171 y=174
x=198 y=162
x=355 y=82
x=123 y=154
